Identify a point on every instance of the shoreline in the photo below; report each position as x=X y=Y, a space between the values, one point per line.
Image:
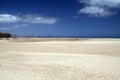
x=62 y=39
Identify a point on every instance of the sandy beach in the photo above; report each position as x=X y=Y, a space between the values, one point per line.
x=60 y=59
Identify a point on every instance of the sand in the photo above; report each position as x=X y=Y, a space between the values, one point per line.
x=86 y=59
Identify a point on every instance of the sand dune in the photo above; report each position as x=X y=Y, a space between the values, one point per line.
x=60 y=60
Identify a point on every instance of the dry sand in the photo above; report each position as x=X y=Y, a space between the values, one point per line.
x=86 y=59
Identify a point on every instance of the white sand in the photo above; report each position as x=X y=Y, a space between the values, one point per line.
x=74 y=60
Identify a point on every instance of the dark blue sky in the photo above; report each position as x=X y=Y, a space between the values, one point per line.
x=61 y=17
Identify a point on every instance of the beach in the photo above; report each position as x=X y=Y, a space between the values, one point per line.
x=60 y=59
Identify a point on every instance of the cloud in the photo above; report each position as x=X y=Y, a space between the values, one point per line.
x=44 y=20
x=96 y=11
x=21 y=25
x=39 y=19
x=77 y=17
x=23 y=20
x=14 y=27
x=5 y=28
x=9 y=18
x=100 y=8
x=108 y=3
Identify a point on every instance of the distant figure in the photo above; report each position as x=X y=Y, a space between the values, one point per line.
x=76 y=38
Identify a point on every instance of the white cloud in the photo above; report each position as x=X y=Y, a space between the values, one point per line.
x=8 y=18
x=44 y=20
x=109 y=3
x=95 y=11
x=77 y=17
x=14 y=27
x=5 y=28
x=39 y=19
x=21 y=25
x=100 y=8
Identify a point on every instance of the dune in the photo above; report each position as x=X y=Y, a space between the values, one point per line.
x=84 y=59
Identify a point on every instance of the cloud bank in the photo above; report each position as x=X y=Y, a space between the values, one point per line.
x=99 y=8
x=9 y=18
x=24 y=20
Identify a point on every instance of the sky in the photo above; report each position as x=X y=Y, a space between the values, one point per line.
x=77 y=18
